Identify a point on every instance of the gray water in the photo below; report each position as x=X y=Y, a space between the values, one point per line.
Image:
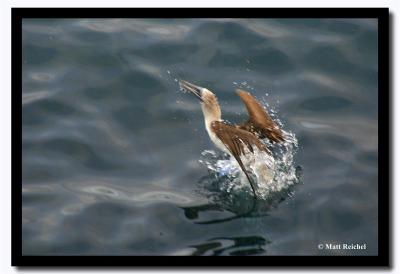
x=111 y=147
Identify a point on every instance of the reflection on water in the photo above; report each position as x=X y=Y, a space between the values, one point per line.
x=236 y=206
x=111 y=147
x=238 y=203
x=239 y=246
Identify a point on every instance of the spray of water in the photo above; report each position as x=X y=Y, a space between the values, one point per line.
x=272 y=173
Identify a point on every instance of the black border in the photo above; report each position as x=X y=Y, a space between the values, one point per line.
x=382 y=14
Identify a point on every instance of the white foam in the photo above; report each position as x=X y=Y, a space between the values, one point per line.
x=272 y=173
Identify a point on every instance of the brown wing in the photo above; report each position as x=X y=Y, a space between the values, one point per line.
x=236 y=140
x=259 y=121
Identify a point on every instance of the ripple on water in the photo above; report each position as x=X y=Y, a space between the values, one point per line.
x=132 y=194
x=325 y=104
x=39 y=109
x=38 y=55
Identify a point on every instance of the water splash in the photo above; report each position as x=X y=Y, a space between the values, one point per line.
x=272 y=173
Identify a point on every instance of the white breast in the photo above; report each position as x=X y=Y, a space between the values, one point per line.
x=218 y=143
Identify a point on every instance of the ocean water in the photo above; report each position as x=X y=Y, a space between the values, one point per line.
x=116 y=160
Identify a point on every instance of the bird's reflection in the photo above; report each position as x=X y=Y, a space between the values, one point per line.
x=240 y=204
x=240 y=246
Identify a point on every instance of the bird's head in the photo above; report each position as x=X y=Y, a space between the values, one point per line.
x=208 y=100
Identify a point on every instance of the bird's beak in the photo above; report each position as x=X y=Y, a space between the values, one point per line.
x=196 y=90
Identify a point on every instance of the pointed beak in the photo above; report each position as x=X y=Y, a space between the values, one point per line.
x=195 y=90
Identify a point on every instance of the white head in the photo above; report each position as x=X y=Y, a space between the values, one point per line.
x=208 y=101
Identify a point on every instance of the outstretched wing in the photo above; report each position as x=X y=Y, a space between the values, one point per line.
x=236 y=141
x=259 y=121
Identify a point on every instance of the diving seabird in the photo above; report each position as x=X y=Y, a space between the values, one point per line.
x=235 y=139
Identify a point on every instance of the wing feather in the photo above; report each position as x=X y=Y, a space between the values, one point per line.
x=259 y=121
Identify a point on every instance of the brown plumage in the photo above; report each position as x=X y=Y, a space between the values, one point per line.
x=259 y=121
x=236 y=139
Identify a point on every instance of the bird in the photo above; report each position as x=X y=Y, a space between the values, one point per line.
x=239 y=139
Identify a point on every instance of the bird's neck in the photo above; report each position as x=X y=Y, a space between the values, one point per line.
x=211 y=114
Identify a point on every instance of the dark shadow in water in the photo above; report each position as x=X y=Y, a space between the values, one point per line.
x=236 y=246
x=240 y=203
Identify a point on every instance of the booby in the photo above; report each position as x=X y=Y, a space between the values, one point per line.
x=236 y=139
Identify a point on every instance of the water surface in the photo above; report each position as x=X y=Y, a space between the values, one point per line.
x=111 y=147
